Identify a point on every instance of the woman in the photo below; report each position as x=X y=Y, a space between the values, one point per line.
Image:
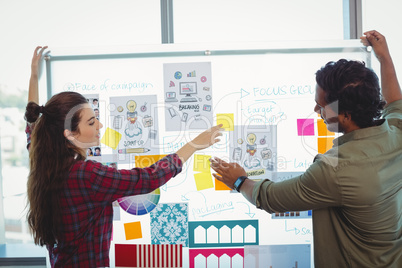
x=70 y=199
x=89 y=152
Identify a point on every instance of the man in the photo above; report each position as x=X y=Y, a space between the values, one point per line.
x=96 y=111
x=354 y=189
x=97 y=151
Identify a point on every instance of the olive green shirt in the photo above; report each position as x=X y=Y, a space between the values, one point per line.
x=354 y=190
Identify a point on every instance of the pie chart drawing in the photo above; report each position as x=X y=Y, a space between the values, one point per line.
x=140 y=204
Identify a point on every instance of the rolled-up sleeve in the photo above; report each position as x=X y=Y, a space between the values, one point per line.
x=317 y=187
x=393 y=110
x=107 y=184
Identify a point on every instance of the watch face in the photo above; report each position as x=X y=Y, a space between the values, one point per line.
x=238 y=182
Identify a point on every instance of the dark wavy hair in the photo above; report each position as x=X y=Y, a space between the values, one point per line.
x=51 y=156
x=355 y=87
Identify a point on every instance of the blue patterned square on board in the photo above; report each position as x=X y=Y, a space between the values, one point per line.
x=169 y=224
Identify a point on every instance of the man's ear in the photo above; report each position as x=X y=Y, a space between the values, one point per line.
x=347 y=116
x=69 y=136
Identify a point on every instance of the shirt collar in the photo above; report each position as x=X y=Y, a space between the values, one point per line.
x=381 y=127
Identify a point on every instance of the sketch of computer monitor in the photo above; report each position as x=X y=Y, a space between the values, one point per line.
x=171 y=97
x=188 y=89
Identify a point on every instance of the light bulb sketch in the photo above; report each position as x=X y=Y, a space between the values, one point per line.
x=133 y=128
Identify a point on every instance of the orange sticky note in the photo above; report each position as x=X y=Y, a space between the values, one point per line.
x=220 y=186
x=324 y=144
x=111 y=138
x=142 y=161
x=322 y=129
x=203 y=181
x=133 y=230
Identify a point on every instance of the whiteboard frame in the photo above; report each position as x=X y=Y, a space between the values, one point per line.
x=188 y=50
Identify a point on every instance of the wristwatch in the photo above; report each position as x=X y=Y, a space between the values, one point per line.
x=238 y=183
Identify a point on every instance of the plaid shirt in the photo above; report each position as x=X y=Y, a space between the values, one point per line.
x=86 y=207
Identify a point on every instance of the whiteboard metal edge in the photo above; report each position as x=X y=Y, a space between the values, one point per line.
x=200 y=49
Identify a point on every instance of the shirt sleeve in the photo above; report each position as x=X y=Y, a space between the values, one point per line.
x=318 y=187
x=28 y=131
x=393 y=110
x=108 y=184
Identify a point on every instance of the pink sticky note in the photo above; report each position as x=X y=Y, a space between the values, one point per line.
x=305 y=127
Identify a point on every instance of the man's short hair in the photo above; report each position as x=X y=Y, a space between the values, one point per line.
x=355 y=87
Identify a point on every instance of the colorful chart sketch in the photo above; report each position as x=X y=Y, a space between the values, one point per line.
x=140 y=204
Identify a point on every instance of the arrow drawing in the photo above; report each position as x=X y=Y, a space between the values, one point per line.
x=249 y=213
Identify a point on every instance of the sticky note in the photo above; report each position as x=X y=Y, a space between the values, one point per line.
x=111 y=138
x=324 y=144
x=305 y=127
x=142 y=161
x=133 y=230
x=203 y=181
x=322 y=129
x=201 y=163
x=220 y=186
x=226 y=120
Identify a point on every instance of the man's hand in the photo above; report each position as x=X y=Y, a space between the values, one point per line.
x=227 y=172
x=390 y=87
x=378 y=42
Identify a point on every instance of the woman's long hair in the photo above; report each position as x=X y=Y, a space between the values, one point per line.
x=51 y=156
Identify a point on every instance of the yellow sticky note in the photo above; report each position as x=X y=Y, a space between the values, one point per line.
x=133 y=230
x=226 y=120
x=220 y=186
x=201 y=163
x=322 y=129
x=111 y=138
x=324 y=144
x=142 y=161
x=203 y=181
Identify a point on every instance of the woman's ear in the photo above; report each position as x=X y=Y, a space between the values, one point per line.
x=69 y=136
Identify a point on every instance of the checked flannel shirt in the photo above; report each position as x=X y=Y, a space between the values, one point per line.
x=86 y=207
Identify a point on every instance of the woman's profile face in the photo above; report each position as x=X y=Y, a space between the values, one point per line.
x=88 y=133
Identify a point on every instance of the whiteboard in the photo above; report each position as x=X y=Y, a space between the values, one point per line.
x=266 y=87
